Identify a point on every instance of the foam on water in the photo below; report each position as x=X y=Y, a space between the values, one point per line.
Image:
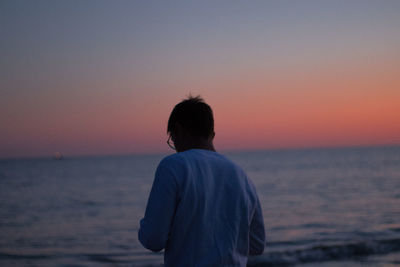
x=322 y=253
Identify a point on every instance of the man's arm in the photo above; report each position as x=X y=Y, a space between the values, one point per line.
x=257 y=232
x=155 y=226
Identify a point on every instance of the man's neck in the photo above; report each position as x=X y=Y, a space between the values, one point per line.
x=199 y=145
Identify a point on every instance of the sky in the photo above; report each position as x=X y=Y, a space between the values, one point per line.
x=101 y=77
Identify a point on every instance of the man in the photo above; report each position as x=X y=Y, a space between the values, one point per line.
x=202 y=207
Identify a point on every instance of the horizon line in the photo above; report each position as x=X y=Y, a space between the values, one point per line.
x=222 y=151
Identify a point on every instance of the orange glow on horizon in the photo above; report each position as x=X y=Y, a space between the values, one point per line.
x=357 y=105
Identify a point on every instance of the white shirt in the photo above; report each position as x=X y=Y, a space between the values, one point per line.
x=204 y=210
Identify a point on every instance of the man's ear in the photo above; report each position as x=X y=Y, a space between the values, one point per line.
x=212 y=135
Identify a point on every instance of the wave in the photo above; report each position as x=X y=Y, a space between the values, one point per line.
x=321 y=253
x=318 y=253
x=116 y=258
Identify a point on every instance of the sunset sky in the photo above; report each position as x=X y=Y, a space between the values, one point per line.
x=101 y=77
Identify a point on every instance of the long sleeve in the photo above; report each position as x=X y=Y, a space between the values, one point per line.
x=257 y=232
x=155 y=226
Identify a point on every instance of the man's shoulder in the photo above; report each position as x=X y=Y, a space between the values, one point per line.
x=171 y=159
x=204 y=156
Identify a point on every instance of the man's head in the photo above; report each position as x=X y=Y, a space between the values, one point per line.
x=191 y=124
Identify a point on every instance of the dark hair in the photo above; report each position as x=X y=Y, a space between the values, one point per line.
x=194 y=115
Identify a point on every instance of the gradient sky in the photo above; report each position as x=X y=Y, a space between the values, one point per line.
x=101 y=77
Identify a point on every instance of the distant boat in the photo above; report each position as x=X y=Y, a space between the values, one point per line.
x=58 y=156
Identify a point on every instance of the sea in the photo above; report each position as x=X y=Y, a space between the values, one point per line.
x=322 y=207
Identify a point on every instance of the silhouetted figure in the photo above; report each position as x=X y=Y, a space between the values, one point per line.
x=202 y=207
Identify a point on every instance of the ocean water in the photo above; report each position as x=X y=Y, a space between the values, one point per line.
x=322 y=207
